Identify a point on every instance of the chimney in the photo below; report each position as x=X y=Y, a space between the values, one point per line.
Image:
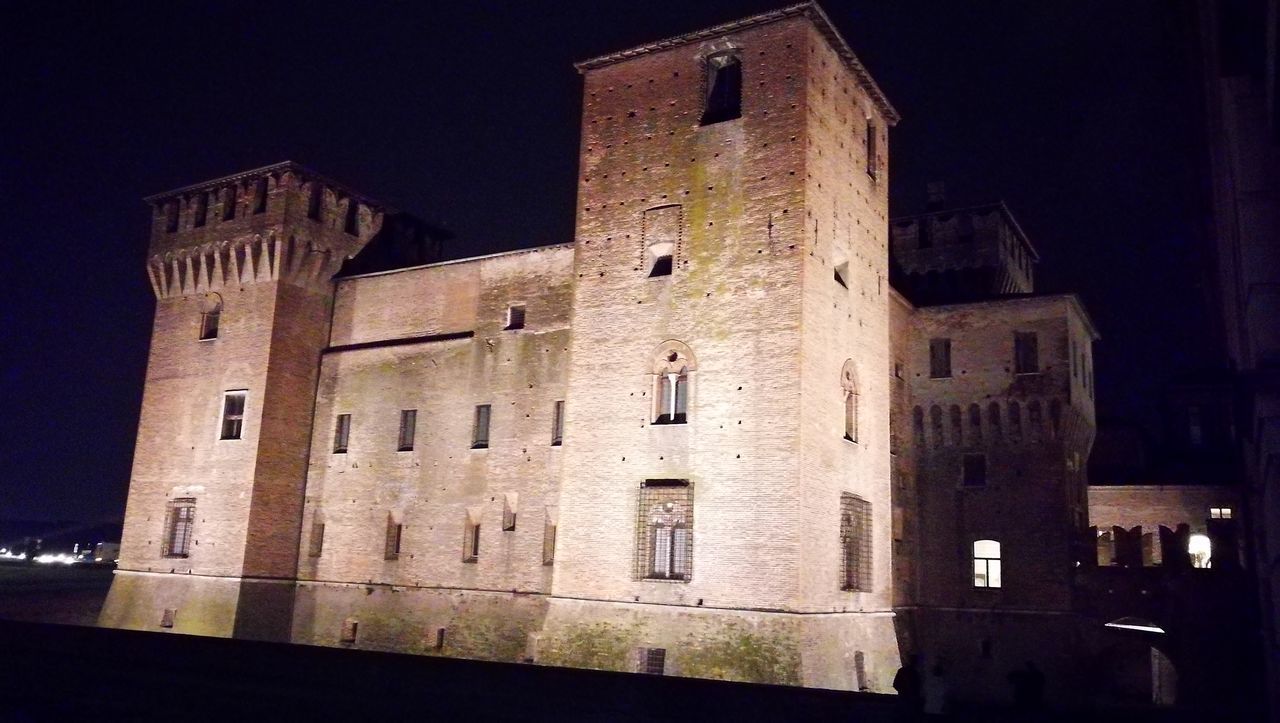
x=937 y=195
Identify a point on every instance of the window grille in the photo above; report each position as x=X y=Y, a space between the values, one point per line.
x=233 y=414
x=408 y=424
x=939 y=358
x=1026 y=357
x=855 y=543
x=178 y=526
x=724 y=89
x=515 y=318
x=260 y=195
x=986 y=563
x=653 y=661
x=973 y=472
x=394 y=532
x=341 y=433
x=664 y=530
x=548 y=539
x=557 y=424
x=316 y=545
x=480 y=428
x=209 y=324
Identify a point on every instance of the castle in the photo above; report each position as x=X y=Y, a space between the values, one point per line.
x=744 y=426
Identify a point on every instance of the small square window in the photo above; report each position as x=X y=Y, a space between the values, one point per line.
x=168 y=617
x=515 y=317
x=1220 y=513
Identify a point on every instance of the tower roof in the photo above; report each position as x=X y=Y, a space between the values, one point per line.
x=810 y=10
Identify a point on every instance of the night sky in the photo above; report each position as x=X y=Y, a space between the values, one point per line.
x=1082 y=116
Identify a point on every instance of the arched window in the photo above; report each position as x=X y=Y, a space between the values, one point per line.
x=671 y=369
x=986 y=563
x=724 y=88
x=849 y=384
x=210 y=316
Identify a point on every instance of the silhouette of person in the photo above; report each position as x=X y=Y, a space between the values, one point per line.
x=908 y=685
x=936 y=691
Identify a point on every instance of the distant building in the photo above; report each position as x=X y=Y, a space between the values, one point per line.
x=708 y=438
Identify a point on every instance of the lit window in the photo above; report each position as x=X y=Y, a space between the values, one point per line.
x=1220 y=513
x=939 y=358
x=973 y=471
x=986 y=563
x=480 y=428
x=1200 y=550
x=408 y=425
x=515 y=317
x=233 y=414
x=653 y=661
x=1026 y=356
x=341 y=433
x=724 y=89
x=672 y=396
x=394 y=532
x=557 y=424
x=665 y=530
x=855 y=543
x=179 y=522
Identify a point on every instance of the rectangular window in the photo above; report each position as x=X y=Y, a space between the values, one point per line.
x=201 y=211
x=171 y=216
x=939 y=358
x=1026 y=354
x=229 y=203
x=1220 y=513
x=557 y=424
x=973 y=472
x=394 y=531
x=873 y=160
x=855 y=543
x=509 y=508
x=167 y=617
x=260 y=195
x=316 y=544
x=515 y=318
x=548 y=538
x=724 y=89
x=480 y=428
x=341 y=433
x=351 y=222
x=986 y=563
x=664 y=530
x=672 y=398
x=652 y=661
x=350 y=628
x=314 y=201
x=209 y=324
x=471 y=540
x=233 y=414
x=179 y=523
x=408 y=423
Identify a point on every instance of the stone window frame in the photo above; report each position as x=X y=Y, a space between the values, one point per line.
x=342 y=433
x=179 y=528
x=210 y=317
x=715 y=61
x=408 y=430
x=673 y=369
x=231 y=424
x=664 y=516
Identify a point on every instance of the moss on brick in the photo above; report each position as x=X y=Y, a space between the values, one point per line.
x=742 y=655
x=602 y=646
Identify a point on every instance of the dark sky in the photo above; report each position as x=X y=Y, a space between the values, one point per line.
x=1081 y=115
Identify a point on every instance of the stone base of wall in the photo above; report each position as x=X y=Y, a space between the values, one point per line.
x=201 y=605
x=750 y=646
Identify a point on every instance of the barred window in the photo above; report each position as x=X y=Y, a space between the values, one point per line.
x=480 y=428
x=394 y=532
x=408 y=424
x=233 y=414
x=1026 y=354
x=341 y=433
x=652 y=661
x=986 y=563
x=178 y=525
x=664 y=530
x=557 y=424
x=939 y=358
x=316 y=543
x=549 y=538
x=855 y=543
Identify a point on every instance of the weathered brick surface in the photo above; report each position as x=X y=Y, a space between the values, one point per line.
x=1150 y=506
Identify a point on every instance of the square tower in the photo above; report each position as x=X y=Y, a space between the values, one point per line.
x=727 y=455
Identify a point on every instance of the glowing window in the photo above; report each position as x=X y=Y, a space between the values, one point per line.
x=1200 y=550
x=1220 y=513
x=986 y=563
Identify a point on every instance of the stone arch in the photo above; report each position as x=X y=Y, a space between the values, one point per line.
x=664 y=362
x=672 y=365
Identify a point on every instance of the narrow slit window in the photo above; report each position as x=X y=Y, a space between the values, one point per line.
x=394 y=532
x=471 y=541
x=515 y=317
x=665 y=530
x=179 y=523
x=873 y=158
x=480 y=427
x=260 y=195
x=228 y=203
x=171 y=216
x=201 y=213
x=341 y=433
x=986 y=563
x=939 y=358
x=233 y=414
x=315 y=201
x=855 y=543
x=973 y=470
x=557 y=424
x=315 y=545
x=350 y=222
x=509 y=509
x=408 y=425
x=724 y=89
x=1026 y=355
x=548 y=539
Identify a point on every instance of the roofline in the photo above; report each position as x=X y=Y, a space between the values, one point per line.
x=452 y=262
x=810 y=10
x=1072 y=299
x=273 y=168
x=997 y=205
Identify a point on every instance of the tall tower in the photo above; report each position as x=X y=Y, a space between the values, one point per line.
x=727 y=452
x=241 y=268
